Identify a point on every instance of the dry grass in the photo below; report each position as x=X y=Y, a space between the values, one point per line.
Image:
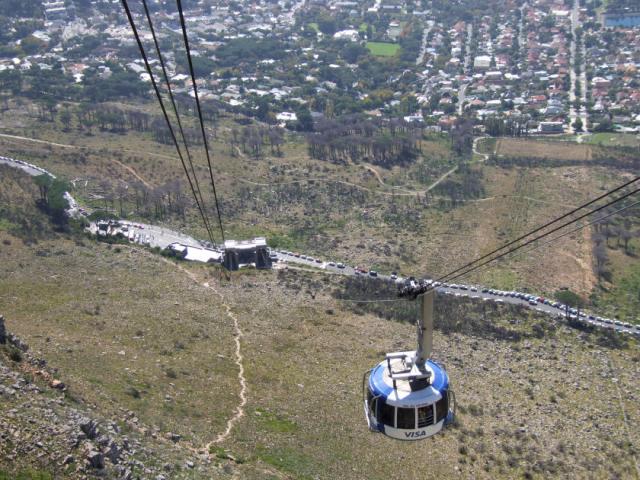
x=515 y=147
x=369 y=229
x=125 y=330
x=520 y=400
x=301 y=202
x=526 y=406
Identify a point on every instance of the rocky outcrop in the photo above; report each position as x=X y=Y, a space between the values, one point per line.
x=39 y=422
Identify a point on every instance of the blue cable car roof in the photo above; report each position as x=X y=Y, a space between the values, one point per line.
x=381 y=385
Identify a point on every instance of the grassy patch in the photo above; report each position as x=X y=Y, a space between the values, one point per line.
x=517 y=147
x=117 y=296
x=26 y=475
x=613 y=139
x=382 y=49
x=313 y=26
x=6 y=225
x=487 y=145
x=274 y=422
x=288 y=460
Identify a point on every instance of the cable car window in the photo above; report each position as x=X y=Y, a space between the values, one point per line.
x=406 y=418
x=442 y=406
x=387 y=413
x=425 y=416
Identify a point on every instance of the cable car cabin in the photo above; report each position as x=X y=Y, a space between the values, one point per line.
x=407 y=396
x=407 y=408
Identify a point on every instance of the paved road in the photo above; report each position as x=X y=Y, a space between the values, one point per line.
x=461 y=97
x=152 y=235
x=573 y=78
x=467 y=53
x=474 y=292
x=28 y=168
x=423 y=45
x=33 y=170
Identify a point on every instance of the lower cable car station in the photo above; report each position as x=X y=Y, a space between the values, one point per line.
x=407 y=396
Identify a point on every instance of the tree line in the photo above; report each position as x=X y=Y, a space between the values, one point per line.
x=356 y=138
x=157 y=202
x=253 y=139
x=606 y=232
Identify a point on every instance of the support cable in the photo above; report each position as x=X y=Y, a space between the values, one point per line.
x=164 y=113
x=581 y=227
x=204 y=135
x=542 y=227
x=449 y=278
x=173 y=102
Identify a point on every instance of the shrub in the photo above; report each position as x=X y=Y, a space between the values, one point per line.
x=476 y=410
x=132 y=392
x=14 y=353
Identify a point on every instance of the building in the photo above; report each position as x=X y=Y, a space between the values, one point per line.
x=245 y=253
x=482 y=62
x=55 y=10
x=195 y=254
x=551 y=127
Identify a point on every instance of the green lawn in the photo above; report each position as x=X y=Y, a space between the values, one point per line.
x=381 y=49
x=614 y=139
x=313 y=26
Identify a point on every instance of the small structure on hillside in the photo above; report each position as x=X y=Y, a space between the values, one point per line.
x=246 y=252
x=195 y=254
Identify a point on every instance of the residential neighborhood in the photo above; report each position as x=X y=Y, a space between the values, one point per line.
x=543 y=66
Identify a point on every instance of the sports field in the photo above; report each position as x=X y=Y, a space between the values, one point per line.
x=381 y=49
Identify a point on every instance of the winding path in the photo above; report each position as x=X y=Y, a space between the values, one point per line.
x=66 y=145
x=238 y=334
x=128 y=168
x=239 y=361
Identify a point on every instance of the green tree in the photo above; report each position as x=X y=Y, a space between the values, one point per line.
x=327 y=25
x=31 y=45
x=44 y=183
x=65 y=118
x=577 y=125
x=352 y=51
x=11 y=80
x=305 y=120
x=264 y=108
x=570 y=298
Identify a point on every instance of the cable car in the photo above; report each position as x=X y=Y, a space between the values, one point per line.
x=407 y=396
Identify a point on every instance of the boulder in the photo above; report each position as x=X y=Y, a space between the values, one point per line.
x=95 y=459
x=113 y=453
x=57 y=384
x=89 y=428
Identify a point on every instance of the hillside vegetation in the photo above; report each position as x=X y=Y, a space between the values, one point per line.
x=131 y=335
x=421 y=216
